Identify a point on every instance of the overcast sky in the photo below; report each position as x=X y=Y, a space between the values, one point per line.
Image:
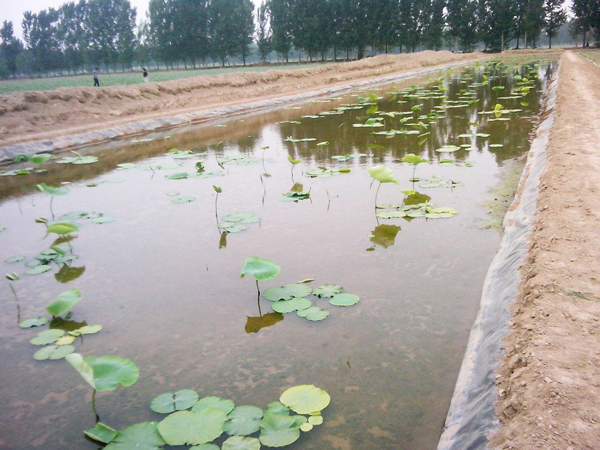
x=12 y=10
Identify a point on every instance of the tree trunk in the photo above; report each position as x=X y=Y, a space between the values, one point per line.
x=502 y=43
x=549 y=40
x=584 y=36
x=334 y=53
x=525 y=39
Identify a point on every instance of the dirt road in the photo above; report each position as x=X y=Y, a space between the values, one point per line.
x=549 y=379
x=35 y=116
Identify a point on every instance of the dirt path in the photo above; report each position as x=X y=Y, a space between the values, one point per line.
x=36 y=116
x=549 y=380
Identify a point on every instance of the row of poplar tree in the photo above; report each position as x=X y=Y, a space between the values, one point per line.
x=104 y=32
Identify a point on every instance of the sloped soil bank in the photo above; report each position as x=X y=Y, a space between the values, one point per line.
x=72 y=117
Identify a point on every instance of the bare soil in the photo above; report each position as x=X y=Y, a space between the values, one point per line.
x=34 y=116
x=549 y=378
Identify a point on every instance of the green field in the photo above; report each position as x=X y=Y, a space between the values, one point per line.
x=113 y=79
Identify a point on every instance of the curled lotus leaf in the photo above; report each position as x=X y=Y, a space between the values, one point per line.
x=101 y=433
x=305 y=399
x=313 y=313
x=213 y=402
x=62 y=228
x=89 y=329
x=260 y=269
x=53 y=352
x=171 y=402
x=47 y=337
x=279 y=430
x=327 y=290
x=294 y=304
x=287 y=292
x=411 y=158
x=141 y=436
x=382 y=174
x=243 y=421
x=105 y=373
x=192 y=428
x=52 y=190
x=34 y=322
x=64 y=302
x=344 y=300
x=241 y=443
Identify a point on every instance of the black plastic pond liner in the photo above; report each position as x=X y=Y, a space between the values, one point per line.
x=471 y=416
x=151 y=125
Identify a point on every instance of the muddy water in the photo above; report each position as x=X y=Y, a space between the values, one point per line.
x=165 y=284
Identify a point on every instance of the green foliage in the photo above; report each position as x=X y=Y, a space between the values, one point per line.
x=260 y=269
x=305 y=399
x=64 y=302
x=105 y=373
x=169 y=402
x=192 y=428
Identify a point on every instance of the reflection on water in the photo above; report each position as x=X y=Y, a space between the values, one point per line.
x=171 y=300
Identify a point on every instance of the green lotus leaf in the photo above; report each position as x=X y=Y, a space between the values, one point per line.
x=327 y=290
x=306 y=427
x=382 y=174
x=89 y=329
x=34 y=322
x=101 y=433
x=442 y=210
x=213 y=402
x=391 y=214
x=439 y=215
x=315 y=420
x=64 y=302
x=38 y=269
x=2 y=229
x=413 y=159
x=305 y=399
x=141 y=436
x=51 y=190
x=103 y=219
x=344 y=300
x=40 y=159
x=195 y=428
x=47 y=337
x=66 y=340
x=14 y=259
x=177 y=176
x=62 y=228
x=169 y=402
x=53 y=352
x=84 y=160
x=243 y=421
x=313 y=313
x=294 y=304
x=105 y=373
x=182 y=200
x=260 y=269
x=231 y=227
x=241 y=443
x=287 y=292
x=277 y=408
x=238 y=217
x=279 y=430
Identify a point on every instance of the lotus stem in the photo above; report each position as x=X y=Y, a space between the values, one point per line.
x=258 y=299
x=51 y=212
x=216 y=209
x=376 y=194
x=17 y=302
x=94 y=406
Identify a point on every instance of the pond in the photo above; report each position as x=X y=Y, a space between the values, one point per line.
x=163 y=277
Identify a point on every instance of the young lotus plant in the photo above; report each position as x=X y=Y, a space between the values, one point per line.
x=52 y=191
x=218 y=190
x=382 y=174
x=261 y=270
x=415 y=161
x=293 y=162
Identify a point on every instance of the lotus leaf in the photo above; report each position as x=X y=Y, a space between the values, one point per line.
x=2 y=229
x=141 y=436
x=241 y=443
x=47 y=337
x=442 y=210
x=344 y=300
x=103 y=219
x=105 y=373
x=231 y=227
x=62 y=228
x=51 y=190
x=14 y=259
x=213 y=402
x=327 y=290
x=66 y=340
x=382 y=174
x=447 y=149
x=34 y=322
x=38 y=269
x=413 y=159
x=195 y=428
x=101 y=433
x=288 y=306
x=64 y=302
x=169 y=402
x=315 y=420
x=313 y=313
x=287 y=292
x=53 y=352
x=239 y=217
x=182 y=200
x=243 y=421
x=279 y=430
x=89 y=329
x=391 y=214
x=260 y=269
x=277 y=408
x=177 y=176
x=305 y=399
x=306 y=427
x=439 y=215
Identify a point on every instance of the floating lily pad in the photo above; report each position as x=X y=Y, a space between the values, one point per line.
x=47 y=337
x=38 y=269
x=243 y=421
x=213 y=402
x=53 y=352
x=205 y=447
x=238 y=217
x=314 y=314
x=279 y=430
x=62 y=228
x=315 y=420
x=305 y=399
x=306 y=427
x=260 y=269
x=101 y=433
x=66 y=340
x=241 y=443
x=89 y=329
x=34 y=322
x=391 y=214
x=344 y=300
x=277 y=408
x=15 y=259
x=141 y=436
x=64 y=302
x=169 y=402
x=294 y=304
x=192 y=428
x=103 y=219
x=287 y=292
x=327 y=290
x=232 y=227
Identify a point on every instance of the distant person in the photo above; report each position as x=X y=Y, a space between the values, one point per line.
x=95 y=75
x=145 y=75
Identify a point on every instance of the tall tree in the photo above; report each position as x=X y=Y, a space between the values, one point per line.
x=10 y=47
x=463 y=22
x=528 y=25
x=500 y=23
x=41 y=38
x=433 y=28
x=554 y=17
x=587 y=13
x=281 y=24
x=264 y=37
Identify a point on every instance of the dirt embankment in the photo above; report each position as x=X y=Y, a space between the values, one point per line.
x=32 y=116
x=549 y=379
